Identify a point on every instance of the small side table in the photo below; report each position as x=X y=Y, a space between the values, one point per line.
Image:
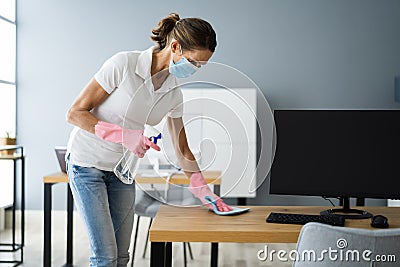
x=14 y=246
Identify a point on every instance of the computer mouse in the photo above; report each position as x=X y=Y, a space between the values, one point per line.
x=379 y=221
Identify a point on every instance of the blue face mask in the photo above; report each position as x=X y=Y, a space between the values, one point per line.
x=183 y=68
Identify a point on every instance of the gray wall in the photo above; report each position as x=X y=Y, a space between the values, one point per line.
x=302 y=54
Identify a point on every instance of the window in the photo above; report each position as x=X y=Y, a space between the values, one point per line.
x=7 y=67
x=8 y=92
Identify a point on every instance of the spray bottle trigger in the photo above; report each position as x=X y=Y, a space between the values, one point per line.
x=155 y=138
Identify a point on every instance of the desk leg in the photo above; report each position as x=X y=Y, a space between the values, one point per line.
x=157 y=254
x=22 y=205
x=14 y=204
x=70 y=219
x=168 y=254
x=214 y=254
x=22 y=199
x=47 y=225
x=161 y=254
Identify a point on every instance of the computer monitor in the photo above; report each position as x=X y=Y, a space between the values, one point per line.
x=337 y=153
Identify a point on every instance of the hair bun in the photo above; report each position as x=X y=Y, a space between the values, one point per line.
x=191 y=33
x=164 y=27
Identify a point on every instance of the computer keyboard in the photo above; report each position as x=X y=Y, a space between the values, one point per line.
x=292 y=218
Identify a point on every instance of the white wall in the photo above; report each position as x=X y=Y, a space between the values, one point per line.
x=226 y=127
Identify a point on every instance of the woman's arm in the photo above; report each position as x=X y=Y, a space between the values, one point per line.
x=79 y=113
x=178 y=136
x=197 y=184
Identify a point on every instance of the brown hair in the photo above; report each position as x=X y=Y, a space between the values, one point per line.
x=191 y=33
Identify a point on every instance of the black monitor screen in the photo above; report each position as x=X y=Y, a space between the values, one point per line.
x=337 y=153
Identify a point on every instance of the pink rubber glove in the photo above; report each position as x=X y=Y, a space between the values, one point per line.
x=131 y=139
x=200 y=189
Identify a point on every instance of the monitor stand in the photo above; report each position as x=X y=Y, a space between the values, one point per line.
x=346 y=212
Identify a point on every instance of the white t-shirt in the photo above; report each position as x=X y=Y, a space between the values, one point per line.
x=132 y=103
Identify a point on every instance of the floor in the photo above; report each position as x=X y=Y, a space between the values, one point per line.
x=230 y=254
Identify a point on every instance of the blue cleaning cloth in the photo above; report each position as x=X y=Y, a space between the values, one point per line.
x=234 y=211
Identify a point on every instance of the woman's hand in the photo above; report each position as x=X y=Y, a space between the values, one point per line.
x=131 y=139
x=200 y=189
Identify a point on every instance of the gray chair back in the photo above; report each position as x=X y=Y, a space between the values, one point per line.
x=325 y=245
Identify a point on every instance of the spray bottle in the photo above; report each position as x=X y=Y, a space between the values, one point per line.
x=128 y=165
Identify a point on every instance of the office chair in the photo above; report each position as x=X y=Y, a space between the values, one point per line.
x=316 y=240
x=147 y=206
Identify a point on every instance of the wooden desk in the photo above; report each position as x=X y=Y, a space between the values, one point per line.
x=211 y=177
x=199 y=225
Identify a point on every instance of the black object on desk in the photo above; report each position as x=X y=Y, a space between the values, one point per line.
x=291 y=218
x=14 y=246
x=379 y=221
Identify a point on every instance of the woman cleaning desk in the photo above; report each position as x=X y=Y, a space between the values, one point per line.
x=103 y=129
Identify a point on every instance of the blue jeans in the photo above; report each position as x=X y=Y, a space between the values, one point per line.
x=106 y=206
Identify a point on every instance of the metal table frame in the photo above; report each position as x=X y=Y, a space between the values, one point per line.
x=47 y=225
x=14 y=246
